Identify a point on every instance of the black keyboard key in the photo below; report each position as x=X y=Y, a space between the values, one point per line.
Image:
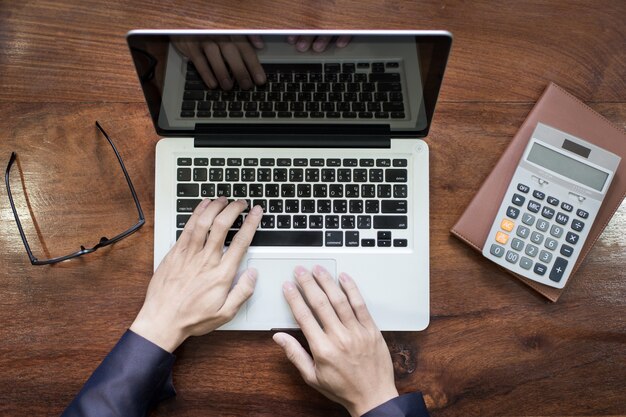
x=376 y=175
x=287 y=190
x=234 y=162
x=399 y=162
x=366 y=162
x=368 y=191
x=331 y=222
x=199 y=174
x=187 y=190
x=384 y=243
x=340 y=206
x=264 y=174
x=334 y=238
x=207 y=190
x=372 y=206
x=255 y=190
x=352 y=239
x=359 y=175
x=280 y=174
x=283 y=222
x=271 y=190
x=390 y=222
x=303 y=190
x=300 y=162
x=393 y=206
x=187 y=205
x=201 y=161
x=223 y=190
x=333 y=162
x=218 y=162
x=364 y=222
x=320 y=190
x=292 y=206
x=184 y=161
x=268 y=221
x=251 y=162
x=383 y=162
x=260 y=202
x=267 y=162
x=351 y=191
x=240 y=190
x=316 y=222
x=182 y=219
x=307 y=206
x=335 y=190
x=368 y=242
x=383 y=191
x=323 y=206
x=178 y=233
x=215 y=175
x=400 y=243
x=183 y=174
x=317 y=162
x=400 y=191
x=283 y=238
x=296 y=175
x=355 y=206
x=348 y=222
x=390 y=77
x=299 y=222
x=232 y=174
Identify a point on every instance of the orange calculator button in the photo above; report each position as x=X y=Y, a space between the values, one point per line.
x=502 y=237
x=507 y=225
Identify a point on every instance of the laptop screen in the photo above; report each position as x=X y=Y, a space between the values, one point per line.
x=199 y=82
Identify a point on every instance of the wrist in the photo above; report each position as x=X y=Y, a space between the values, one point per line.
x=165 y=336
x=370 y=402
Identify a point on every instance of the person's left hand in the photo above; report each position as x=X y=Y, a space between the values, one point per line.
x=191 y=292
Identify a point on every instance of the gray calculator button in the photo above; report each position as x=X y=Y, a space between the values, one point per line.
x=571 y=238
x=531 y=250
x=533 y=206
x=511 y=256
x=525 y=262
x=562 y=218
x=496 y=250
x=542 y=225
x=551 y=244
x=536 y=237
x=545 y=256
x=528 y=219
x=556 y=231
x=517 y=244
x=518 y=200
x=523 y=232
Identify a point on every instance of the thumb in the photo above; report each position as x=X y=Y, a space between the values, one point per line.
x=297 y=356
x=240 y=293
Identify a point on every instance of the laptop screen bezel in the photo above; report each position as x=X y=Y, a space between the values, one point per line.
x=441 y=40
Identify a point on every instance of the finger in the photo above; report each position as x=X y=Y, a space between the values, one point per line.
x=233 y=58
x=336 y=296
x=239 y=294
x=214 y=56
x=343 y=41
x=356 y=300
x=297 y=356
x=221 y=225
x=204 y=221
x=303 y=315
x=190 y=225
x=200 y=62
x=292 y=39
x=256 y=41
x=304 y=43
x=241 y=241
x=317 y=299
x=251 y=60
x=321 y=43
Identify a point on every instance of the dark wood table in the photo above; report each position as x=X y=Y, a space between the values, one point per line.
x=493 y=347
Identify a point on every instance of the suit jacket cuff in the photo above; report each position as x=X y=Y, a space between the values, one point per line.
x=407 y=405
x=132 y=378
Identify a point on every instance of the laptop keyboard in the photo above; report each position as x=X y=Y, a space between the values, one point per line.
x=332 y=202
x=355 y=90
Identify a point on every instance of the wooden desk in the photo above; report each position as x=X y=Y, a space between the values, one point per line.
x=493 y=347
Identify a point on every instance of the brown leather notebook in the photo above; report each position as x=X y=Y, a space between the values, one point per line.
x=563 y=111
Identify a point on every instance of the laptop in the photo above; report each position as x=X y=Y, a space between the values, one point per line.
x=328 y=140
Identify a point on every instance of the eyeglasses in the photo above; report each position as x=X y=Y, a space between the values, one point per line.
x=104 y=241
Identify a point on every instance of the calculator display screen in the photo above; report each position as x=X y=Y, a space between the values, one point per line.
x=568 y=167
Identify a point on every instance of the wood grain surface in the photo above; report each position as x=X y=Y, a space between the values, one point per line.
x=493 y=348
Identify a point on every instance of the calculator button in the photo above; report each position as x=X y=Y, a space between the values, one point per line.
x=528 y=219
x=545 y=256
x=536 y=237
x=512 y=212
x=567 y=250
x=525 y=262
x=540 y=269
x=507 y=225
x=523 y=232
x=542 y=225
x=556 y=231
x=523 y=188
x=582 y=214
x=577 y=225
x=547 y=212
x=553 y=201
x=539 y=195
x=531 y=250
x=551 y=244
x=562 y=218
x=517 y=244
x=571 y=238
x=496 y=250
x=567 y=207
x=558 y=269
x=511 y=257
x=518 y=200
x=533 y=206
x=502 y=238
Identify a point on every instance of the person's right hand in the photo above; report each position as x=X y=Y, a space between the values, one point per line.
x=213 y=56
x=351 y=363
x=318 y=43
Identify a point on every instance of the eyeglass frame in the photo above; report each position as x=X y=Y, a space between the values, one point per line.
x=104 y=241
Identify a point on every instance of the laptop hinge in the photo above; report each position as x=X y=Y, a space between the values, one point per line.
x=303 y=136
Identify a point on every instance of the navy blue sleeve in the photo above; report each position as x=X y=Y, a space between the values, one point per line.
x=407 y=405
x=133 y=377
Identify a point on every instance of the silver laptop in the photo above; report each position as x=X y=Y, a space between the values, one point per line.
x=328 y=141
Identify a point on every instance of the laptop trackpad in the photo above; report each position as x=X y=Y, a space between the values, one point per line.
x=267 y=304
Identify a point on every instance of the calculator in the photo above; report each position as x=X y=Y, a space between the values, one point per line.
x=549 y=206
